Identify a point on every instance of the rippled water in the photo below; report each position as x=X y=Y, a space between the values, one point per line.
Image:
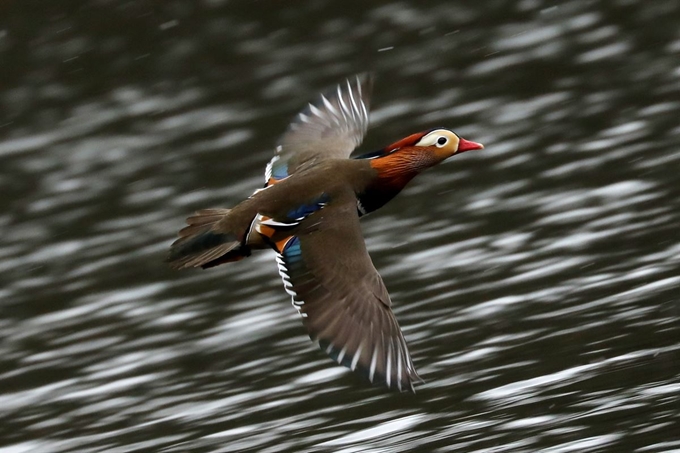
x=537 y=281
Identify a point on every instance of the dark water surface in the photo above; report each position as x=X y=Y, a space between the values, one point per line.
x=537 y=281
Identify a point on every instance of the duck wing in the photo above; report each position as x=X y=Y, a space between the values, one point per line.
x=330 y=127
x=341 y=297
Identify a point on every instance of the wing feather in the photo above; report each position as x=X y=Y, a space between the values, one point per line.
x=343 y=301
x=331 y=127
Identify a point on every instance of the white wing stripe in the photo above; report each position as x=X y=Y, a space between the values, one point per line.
x=288 y=286
x=342 y=354
x=270 y=165
x=399 y=359
x=355 y=110
x=360 y=207
x=409 y=363
x=343 y=107
x=364 y=124
x=304 y=118
x=274 y=223
x=373 y=363
x=336 y=115
x=356 y=357
x=320 y=114
x=364 y=110
x=388 y=370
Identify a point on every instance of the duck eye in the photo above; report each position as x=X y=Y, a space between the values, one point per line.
x=441 y=141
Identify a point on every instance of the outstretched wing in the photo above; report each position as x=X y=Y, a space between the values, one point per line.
x=342 y=299
x=330 y=127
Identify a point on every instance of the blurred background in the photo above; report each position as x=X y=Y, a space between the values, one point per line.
x=537 y=281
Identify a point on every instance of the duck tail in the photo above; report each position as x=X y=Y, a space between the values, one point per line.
x=205 y=242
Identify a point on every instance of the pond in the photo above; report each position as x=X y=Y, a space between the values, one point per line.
x=537 y=281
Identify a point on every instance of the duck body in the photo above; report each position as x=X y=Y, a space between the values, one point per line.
x=308 y=213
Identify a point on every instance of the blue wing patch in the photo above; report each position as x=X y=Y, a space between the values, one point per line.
x=277 y=169
x=307 y=209
x=280 y=171
x=292 y=252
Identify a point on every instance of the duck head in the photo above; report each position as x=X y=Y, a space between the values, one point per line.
x=404 y=159
x=438 y=143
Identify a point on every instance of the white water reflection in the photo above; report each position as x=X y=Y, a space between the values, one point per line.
x=536 y=281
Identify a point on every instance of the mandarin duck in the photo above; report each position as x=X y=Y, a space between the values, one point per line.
x=308 y=211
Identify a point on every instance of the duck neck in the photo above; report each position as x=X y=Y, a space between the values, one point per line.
x=396 y=169
x=393 y=173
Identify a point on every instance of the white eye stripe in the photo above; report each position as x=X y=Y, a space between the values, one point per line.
x=432 y=139
x=441 y=138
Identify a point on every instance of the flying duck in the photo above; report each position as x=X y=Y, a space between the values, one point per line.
x=308 y=211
